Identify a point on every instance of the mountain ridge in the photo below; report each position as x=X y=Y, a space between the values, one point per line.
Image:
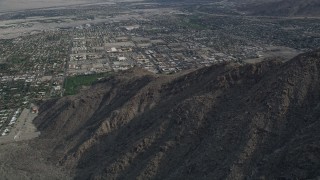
x=274 y=8
x=306 y=8
x=229 y=121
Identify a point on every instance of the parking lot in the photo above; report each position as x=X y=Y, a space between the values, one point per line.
x=21 y=128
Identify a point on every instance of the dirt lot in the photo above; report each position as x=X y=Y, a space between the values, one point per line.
x=23 y=129
x=19 y=159
x=278 y=52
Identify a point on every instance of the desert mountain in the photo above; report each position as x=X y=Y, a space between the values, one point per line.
x=303 y=8
x=230 y=121
x=285 y=8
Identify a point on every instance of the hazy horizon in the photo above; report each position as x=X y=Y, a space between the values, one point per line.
x=16 y=5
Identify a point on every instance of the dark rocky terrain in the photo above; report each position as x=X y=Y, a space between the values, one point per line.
x=275 y=8
x=303 y=8
x=231 y=121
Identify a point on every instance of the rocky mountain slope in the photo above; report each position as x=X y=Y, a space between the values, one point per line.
x=228 y=121
x=283 y=8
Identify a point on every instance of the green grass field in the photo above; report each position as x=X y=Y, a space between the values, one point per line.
x=73 y=84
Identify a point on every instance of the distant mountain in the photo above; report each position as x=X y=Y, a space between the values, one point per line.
x=231 y=121
x=282 y=7
x=304 y=8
